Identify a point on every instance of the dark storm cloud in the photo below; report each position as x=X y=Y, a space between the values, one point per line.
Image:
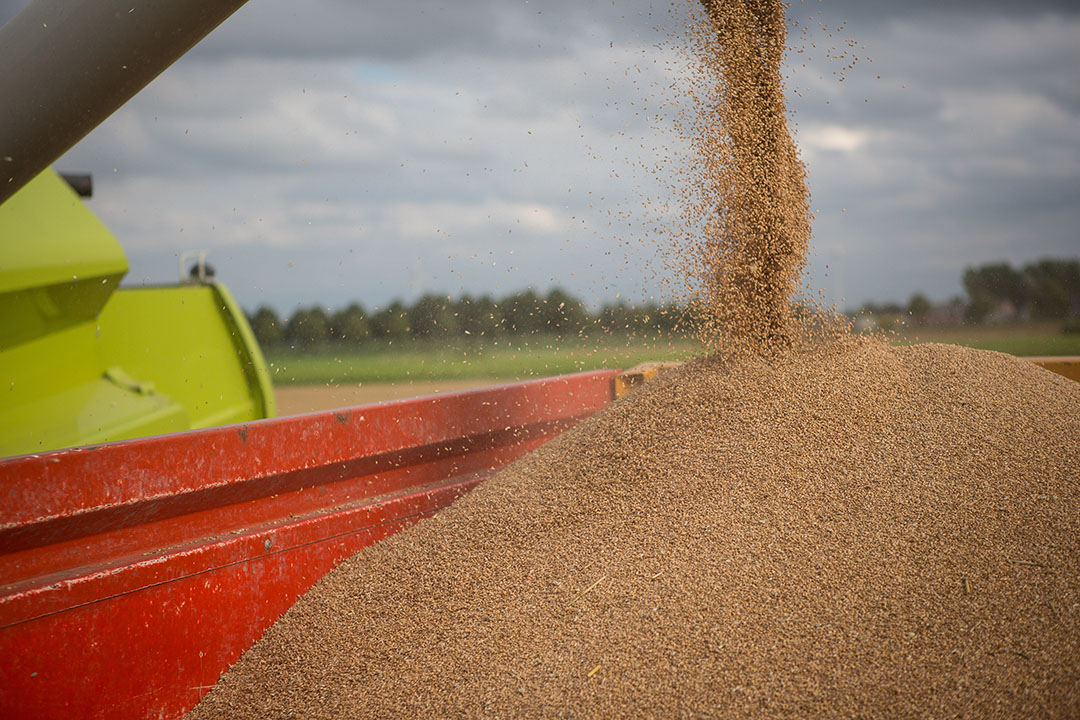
x=395 y=30
x=871 y=14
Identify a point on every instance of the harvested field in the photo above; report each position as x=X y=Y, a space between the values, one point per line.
x=297 y=399
x=851 y=530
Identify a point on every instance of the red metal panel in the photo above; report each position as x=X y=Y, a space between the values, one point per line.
x=133 y=574
x=152 y=651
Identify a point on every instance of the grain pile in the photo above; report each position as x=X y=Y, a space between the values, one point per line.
x=801 y=530
x=861 y=531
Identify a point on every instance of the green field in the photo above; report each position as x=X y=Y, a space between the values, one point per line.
x=544 y=356
x=1022 y=340
x=514 y=359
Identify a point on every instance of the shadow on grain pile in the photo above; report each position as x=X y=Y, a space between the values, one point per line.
x=856 y=529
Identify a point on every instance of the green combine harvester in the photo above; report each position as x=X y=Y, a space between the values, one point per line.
x=83 y=360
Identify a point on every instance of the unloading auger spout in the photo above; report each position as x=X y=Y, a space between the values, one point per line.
x=66 y=65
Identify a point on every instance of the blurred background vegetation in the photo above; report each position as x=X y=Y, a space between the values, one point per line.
x=1032 y=310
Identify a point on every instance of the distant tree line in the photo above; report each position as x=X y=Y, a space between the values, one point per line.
x=440 y=317
x=1044 y=290
x=996 y=292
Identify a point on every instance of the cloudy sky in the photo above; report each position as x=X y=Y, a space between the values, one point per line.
x=337 y=150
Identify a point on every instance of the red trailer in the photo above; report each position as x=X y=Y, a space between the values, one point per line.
x=133 y=574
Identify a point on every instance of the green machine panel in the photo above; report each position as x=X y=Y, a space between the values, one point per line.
x=83 y=361
x=195 y=344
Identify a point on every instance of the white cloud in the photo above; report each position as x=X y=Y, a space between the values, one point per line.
x=835 y=138
x=425 y=220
